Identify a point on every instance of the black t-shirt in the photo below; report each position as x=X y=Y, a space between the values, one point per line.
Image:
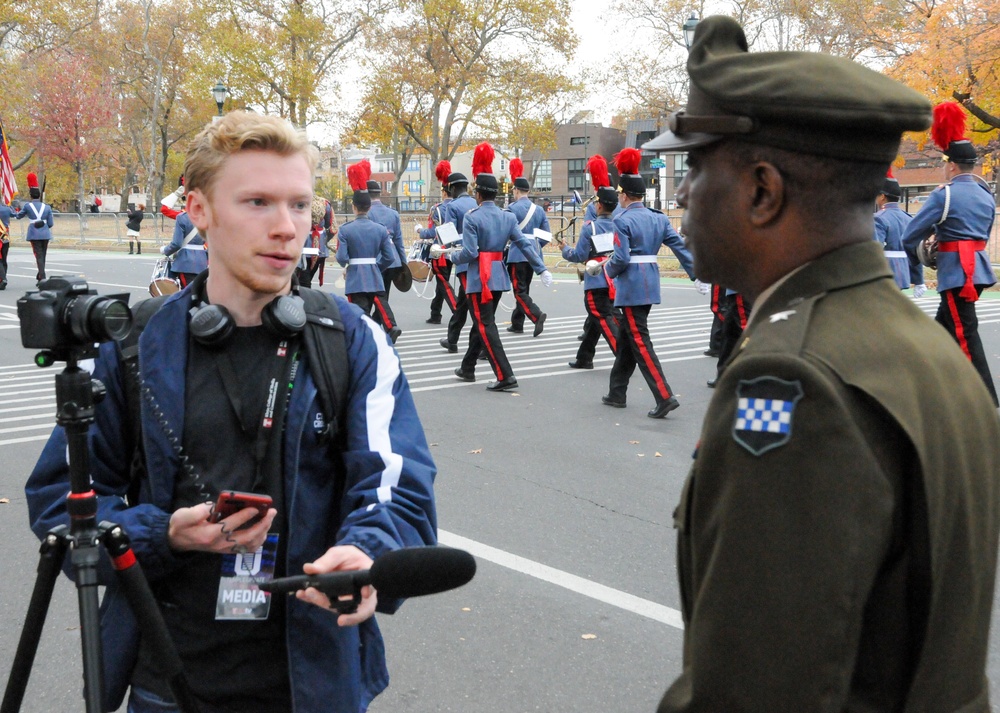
x=231 y=665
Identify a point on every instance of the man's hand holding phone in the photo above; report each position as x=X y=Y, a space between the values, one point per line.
x=222 y=527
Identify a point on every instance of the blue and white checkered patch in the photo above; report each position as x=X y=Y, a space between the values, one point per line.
x=764 y=411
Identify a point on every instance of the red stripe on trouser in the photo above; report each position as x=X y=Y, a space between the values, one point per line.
x=605 y=327
x=742 y=307
x=350 y=298
x=644 y=353
x=449 y=294
x=475 y=299
x=957 y=320
x=716 y=293
x=182 y=278
x=517 y=297
x=385 y=315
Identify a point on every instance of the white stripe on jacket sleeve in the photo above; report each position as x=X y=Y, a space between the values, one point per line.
x=379 y=408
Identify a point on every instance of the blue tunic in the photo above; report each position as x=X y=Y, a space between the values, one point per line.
x=37 y=211
x=640 y=233
x=190 y=258
x=890 y=222
x=489 y=229
x=384 y=215
x=584 y=250
x=455 y=213
x=538 y=220
x=365 y=250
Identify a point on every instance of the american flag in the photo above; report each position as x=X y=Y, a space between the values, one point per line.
x=7 y=182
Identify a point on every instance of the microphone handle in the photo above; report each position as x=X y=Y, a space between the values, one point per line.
x=332 y=584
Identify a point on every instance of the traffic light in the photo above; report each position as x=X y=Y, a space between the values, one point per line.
x=406 y=189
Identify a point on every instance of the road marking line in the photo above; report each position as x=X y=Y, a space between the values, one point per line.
x=27 y=439
x=614 y=597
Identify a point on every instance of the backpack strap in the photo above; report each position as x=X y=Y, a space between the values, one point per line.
x=326 y=346
x=128 y=360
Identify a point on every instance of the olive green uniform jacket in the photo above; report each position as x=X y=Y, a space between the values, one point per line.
x=837 y=535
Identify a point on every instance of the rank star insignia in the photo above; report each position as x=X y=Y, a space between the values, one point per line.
x=781 y=316
x=764 y=411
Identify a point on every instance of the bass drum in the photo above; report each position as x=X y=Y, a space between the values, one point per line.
x=419 y=269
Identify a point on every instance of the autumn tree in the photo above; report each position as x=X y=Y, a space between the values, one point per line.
x=283 y=56
x=71 y=112
x=445 y=68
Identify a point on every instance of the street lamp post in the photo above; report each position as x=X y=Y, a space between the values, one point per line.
x=689 y=27
x=219 y=92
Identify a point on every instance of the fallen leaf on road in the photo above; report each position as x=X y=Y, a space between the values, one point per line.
x=4 y=501
x=466 y=609
x=432 y=444
x=641 y=455
x=633 y=443
x=515 y=394
x=478 y=450
x=589 y=636
x=657 y=455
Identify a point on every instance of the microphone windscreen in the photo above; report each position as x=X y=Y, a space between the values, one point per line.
x=419 y=571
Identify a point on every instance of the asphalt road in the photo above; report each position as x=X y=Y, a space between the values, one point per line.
x=566 y=503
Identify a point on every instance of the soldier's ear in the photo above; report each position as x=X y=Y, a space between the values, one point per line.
x=768 y=193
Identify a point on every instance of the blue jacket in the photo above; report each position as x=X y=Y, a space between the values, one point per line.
x=489 y=229
x=384 y=215
x=388 y=500
x=6 y=213
x=584 y=250
x=971 y=212
x=640 y=233
x=455 y=212
x=538 y=220
x=36 y=210
x=439 y=211
x=591 y=212
x=890 y=222
x=365 y=249
x=191 y=258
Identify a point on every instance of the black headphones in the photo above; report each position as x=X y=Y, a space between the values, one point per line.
x=212 y=325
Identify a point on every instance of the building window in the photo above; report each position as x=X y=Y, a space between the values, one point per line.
x=680 y=168
x=576 y=177
x=579 y=141
x=543 y=176
x=503 y=165
x=333 y=164
x=642 y=137
x=413 y=165
x=388 y=186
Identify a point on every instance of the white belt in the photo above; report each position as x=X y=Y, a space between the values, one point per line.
x=362 y=261
x=895 y=253
x=642 y=258
x=193 y=247
x=310 y=251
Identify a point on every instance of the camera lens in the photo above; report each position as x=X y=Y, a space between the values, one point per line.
x=93 y=318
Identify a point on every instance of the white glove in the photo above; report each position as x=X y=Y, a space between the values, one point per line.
x=163 y=250
x=593 y=267
x=546 y=278
x=437 y=251
x=703 y=287
x=417 y=228
x=919 y=290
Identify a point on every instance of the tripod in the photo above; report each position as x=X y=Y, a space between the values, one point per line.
x=76 y=394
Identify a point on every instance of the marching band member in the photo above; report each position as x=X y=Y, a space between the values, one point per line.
x=39 y=230
x=384 y=215
x=460 y=205
x=365 y=248
x=597 y=289
x=440 y=266
x=6 y=213
x=487 y=230
x=961 y=214
x=640 y=233
x=890 y=224
x=529 y=218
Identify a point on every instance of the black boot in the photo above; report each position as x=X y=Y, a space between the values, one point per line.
x=138 y=248
x=131 y=246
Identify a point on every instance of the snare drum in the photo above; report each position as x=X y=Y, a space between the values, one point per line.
x=417 y=261
x=161 y=283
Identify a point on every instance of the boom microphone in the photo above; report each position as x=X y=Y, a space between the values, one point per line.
x=400 y=574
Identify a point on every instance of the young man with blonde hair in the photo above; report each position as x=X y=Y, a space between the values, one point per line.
x=215 y=360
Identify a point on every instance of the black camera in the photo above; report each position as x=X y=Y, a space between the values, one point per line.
x=65 y=314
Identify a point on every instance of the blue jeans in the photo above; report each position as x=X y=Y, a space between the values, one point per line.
x=143 y=701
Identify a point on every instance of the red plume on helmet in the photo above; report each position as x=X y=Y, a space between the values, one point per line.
x=598 y=169
x=32 y=180
x=889 y=173
x=442 y=171
x=482 y=159
x=357 y=177
x=949 y=124
x=627 y=162
x=516 y=168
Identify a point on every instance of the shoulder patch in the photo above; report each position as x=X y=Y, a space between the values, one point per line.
x=764 y=411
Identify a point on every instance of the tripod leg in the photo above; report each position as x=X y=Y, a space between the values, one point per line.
x=147 y=613
x=53 y=551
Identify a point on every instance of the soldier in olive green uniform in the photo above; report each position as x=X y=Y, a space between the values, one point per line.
x=837 y=534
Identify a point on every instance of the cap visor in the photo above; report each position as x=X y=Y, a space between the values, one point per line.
x=668 y=141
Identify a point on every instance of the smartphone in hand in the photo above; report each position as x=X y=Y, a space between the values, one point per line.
x=232 y=501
